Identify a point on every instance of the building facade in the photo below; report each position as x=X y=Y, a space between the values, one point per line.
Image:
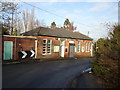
x=12 y=45
x=48 y=43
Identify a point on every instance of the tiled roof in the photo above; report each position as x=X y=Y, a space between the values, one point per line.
x=42 y=31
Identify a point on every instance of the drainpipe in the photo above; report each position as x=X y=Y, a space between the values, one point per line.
x=36 y=42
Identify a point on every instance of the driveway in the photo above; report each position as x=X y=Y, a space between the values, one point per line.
x=52 y=74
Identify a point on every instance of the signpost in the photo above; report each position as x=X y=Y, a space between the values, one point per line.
x=26 y=54
x=56 y=48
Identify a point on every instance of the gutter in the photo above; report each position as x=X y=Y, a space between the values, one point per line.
x=65 y=37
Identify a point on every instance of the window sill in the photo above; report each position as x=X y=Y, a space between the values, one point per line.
x=46 y=54
x=87 y=51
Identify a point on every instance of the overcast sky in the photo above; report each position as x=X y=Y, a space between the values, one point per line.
x=87 y=16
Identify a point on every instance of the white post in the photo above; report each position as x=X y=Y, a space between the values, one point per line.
x=91 y=49
x=36 y=41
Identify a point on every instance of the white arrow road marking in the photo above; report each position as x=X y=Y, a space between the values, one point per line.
x=32 y=53
x=25 y=54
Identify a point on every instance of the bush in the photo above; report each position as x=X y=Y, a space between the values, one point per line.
x=107 y=55
x=98 y=69
x=107 y=71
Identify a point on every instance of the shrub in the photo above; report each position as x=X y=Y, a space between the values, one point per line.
x=98 y=69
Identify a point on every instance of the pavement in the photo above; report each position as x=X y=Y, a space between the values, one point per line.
x=51 y=74
x=86 y=80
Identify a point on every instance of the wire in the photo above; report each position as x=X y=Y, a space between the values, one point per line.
x=54 y=14
x=45 y=10
x=91 y=26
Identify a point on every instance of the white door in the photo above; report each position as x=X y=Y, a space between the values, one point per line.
x=62 y=48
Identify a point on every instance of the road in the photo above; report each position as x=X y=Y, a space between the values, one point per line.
x=52 y=74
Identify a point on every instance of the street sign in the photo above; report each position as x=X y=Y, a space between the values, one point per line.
x=26 y=54
x=33 y=53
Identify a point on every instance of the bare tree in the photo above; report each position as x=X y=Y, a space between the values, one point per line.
x=25 y=18
x=37 y=23
x=18 y=28
x=42 y=23
x=29 y=20
x=72 y=27
x=8 y=10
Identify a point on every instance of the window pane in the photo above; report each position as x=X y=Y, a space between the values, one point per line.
x=43 y=52
x=44 y=41
x=49 y=46
x=49 y=41
x=86 y=46
x=44 y=49
x=78 y=46
x=89 y=47
x=44 y=46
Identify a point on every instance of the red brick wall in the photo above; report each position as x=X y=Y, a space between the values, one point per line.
x=26 y=45
x=8 y=39
x=40 y=47
x=83 y=44
x=57 y=42
x=77 y=54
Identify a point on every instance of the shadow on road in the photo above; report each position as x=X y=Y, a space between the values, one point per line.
x=86 y=80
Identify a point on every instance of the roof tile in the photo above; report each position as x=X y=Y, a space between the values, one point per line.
x=42 y=31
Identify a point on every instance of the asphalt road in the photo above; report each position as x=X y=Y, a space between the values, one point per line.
x=52 y=74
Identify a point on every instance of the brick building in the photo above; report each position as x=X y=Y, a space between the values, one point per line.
x=55 y=43
x=12 y=45
x=48 y=43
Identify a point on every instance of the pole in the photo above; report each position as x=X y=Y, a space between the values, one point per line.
x=12 y=23
x=88 y=33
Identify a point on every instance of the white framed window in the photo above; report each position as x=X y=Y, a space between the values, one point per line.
x=44 y=46
x=78 y=49
x=47 y=46
x=87 y=46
